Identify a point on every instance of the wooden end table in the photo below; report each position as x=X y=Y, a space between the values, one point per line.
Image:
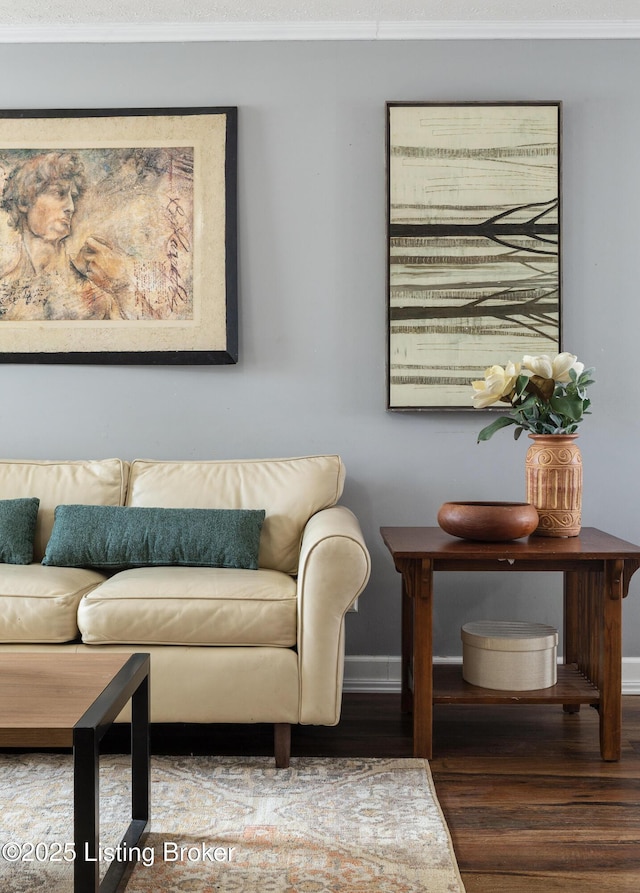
x=71 y=700
x=597 y=568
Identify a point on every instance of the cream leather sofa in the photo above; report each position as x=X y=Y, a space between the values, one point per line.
x=227 y=645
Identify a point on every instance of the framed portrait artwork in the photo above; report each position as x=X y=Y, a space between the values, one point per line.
x=118 y=236
x=473 y=221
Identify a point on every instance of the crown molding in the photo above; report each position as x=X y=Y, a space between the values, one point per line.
x=524 y=30
x=178 y=32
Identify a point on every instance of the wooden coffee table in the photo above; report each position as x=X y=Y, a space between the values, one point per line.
x=71 y=700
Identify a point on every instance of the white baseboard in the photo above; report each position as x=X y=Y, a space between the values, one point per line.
x=382 y=673
x=362 y=673
x=631 y=675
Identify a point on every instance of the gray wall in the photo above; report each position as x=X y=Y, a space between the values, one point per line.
x=311 y=376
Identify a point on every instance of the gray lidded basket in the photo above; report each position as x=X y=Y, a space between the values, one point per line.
x=509 y=655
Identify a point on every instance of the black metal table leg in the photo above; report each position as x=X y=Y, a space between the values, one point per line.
x=140 y=754
x=86 y=825
x=131 y=683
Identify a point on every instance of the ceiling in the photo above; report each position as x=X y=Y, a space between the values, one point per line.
x=313 y=19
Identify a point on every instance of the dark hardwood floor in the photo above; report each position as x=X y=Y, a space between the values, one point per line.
x=530 y=805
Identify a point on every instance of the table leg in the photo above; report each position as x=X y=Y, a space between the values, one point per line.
x=422 y=586
x=571 y=626
x=406 y=696
x=610 y=681
x=86 y=827
x=86 y=785
x=140 y=754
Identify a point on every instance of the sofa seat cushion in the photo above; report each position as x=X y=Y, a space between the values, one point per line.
x=40 y=604
x=191 y=606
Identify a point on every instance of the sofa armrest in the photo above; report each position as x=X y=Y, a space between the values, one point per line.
x=334 y=569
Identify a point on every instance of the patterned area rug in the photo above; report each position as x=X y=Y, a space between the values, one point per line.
x=237 y=825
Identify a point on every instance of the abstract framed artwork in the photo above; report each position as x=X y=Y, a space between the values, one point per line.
x=473 y=225
x=118 y=236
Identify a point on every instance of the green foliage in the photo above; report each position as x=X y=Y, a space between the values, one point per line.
x=542 y=406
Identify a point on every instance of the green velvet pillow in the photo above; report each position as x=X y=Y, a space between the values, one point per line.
x=17 y=529
x=106 y=536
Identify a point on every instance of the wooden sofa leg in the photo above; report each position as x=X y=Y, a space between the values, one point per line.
x=282 y=744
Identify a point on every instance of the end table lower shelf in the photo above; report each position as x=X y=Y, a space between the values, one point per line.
x=571 y=689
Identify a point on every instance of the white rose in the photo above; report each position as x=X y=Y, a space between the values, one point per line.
x=563 y=364
x=557 y=369
x=541 y=366
x=497 y=383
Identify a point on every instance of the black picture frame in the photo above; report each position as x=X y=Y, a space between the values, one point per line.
x=147 y=272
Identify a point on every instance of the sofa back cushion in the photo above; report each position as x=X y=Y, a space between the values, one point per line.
x=95 y=482
x=289 y=490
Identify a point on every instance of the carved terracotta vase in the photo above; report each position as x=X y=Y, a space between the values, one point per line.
x=554 y=483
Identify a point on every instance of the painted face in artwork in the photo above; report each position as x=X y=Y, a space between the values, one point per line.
x=49 y=217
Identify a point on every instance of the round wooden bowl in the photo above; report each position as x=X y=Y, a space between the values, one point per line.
x=488 y=521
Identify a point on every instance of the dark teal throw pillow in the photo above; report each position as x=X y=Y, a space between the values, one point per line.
x=106 y=536
x=17 y=529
